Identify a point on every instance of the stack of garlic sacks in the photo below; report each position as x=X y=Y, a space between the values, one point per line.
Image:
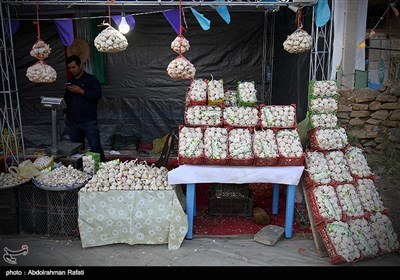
x=347 y=209
x=229 y=128
x=41 y=72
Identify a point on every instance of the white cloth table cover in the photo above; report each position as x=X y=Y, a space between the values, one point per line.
x=132 y=217
x=193 y=174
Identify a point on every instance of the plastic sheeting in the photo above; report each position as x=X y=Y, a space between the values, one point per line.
x=138 y=95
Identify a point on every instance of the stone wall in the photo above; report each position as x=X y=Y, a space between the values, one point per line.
x=371 y=117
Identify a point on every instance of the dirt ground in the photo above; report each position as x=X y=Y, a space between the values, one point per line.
x=388 y=187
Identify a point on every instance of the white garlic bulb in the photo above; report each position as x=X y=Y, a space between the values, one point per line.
x=289 y=144
x=203 y=115
x=317 y=167
x=215 y=90
x=324 y=120
x=329 y=139
x=197 y=93
x=240 y=143
x=247 y=93
x=323 y=105
x=216 y=143
x=327 y=202
x=241 y=116
x=278 y=116
x=357 y=162
x=369 y=196
x=350 y=200
x=363 y=237
x=324 y=89
x=264 y=144
x=190 y=142
x=338 y=168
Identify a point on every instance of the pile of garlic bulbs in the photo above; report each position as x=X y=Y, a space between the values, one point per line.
x=369 y=196
x=6 y=179
x=278 y=116
x=264 y=144
x=203 y=115
x=240 y=143
x=40 y=50
x=327 y=202
x=110 y=40
x=180 y=44
x=41 y=72
x=350 y=201
x=298 y=42
x=197 y=92
x=190 y=142
x=63 y=177
x=216 y=93
x=289 y=144
x=338 y=168
x=342 y=240
x=181 y=68
x=247 y=93
x=240 y=116
x=317 y=167
x=382 y=228
x=363 y=237
x=129 y=175
x=216 y=143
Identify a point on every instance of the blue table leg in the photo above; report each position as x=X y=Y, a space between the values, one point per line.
x=275 y=199
x=291 y=192
x=190 y=207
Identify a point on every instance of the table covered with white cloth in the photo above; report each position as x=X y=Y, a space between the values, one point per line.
x=132 y=217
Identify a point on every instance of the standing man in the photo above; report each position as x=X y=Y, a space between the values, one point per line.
x=82 y=93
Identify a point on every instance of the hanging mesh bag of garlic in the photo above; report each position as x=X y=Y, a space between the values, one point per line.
x=180 y=44
x=180 y=68
x=298 y=42
x=110 y=40
x=41 y=73
x=40 y=50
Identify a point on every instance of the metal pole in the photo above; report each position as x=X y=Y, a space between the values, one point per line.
x=54 y=131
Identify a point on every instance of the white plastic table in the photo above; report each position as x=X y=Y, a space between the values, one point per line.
x=195 y=174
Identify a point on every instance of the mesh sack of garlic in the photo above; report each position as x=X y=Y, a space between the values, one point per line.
x=110 y=40
x=325 y=139
x=180 y=44
x=240 y=146
x=215 y=92
x=90 y=162
x=40 y=50
x=326 y=207
x=357 y=162
x=230 y=98
x=338 y=168
x=197 y=92
x=215 y=145
x=240 y=116
x=350 y=201
x=343 y=242
x=128 y=175
x=41 y=73
x=382 y=229
x=317 y=167
x=323 y=120
x=278 y=116
x=265 y=148
x=323 y=89
x=363 y=237
x=203 y=115
x=246 y=94
x=289 y=144
x=190 y=145
x=323 y=105
x=298 y=42
x=369 y=196
x=180 y=68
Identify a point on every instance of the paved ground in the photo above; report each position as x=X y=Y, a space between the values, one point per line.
x=201 y=251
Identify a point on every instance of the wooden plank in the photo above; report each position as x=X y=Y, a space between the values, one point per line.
x=319 y=244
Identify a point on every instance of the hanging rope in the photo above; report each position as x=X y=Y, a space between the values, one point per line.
x=37 y=19
x=299 y=18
